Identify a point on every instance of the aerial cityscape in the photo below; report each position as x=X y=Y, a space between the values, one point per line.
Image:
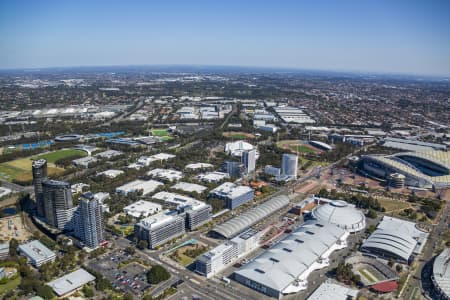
x=138 y=170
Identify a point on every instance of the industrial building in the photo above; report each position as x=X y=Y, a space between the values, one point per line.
x=166 y=174
x=36 y=253
x=234 y=195
x=189 y=187
x=196 y=213
x=111 y=173
x=84 y=162
x=198 y=166
x=293 y=115
x=108 y=154
x=159 y=229
x=250 y=217
x=397 y=239
x=330 y=290
x=212 y=176
x=341 y=214
x=139 y=185
x=69 y=283
x=285 y=267
x=142 y=208
x=441 y=274
x=428 y=169
x=217 y=259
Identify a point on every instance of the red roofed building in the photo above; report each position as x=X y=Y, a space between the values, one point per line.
x=385 y=287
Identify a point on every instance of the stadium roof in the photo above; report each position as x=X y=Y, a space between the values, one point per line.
x=342 y=214
x=291 y=258
x=70 y=282
x=441 y=272
x=238 y=224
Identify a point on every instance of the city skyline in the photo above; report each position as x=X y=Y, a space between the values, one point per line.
x=402 y=37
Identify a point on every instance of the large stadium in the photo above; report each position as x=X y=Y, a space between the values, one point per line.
x=426 y=169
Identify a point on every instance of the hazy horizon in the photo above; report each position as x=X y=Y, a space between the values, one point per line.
x=383 y=37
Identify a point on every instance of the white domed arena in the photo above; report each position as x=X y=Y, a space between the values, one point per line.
x=342 y=214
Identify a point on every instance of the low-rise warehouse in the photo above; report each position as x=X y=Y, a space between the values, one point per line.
x=139 y=185
x=142 y=208
x=69 y=283
x=252 y=216
x=285 y=267
x=36 y=253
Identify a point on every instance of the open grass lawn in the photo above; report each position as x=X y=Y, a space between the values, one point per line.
x=20 y=169
x=52 y=157
x=301 y=149
x=160 y=132
x=9 y=286
x=238 y=135
x=391 y=205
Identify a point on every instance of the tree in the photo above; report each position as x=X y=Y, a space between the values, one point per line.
x=399 y=268
x=13 y=244
x=88 y=292
x=45 y=292
x=130 y=250
x=391 y=262
x=157 y=274
x=128 y=296
x=142 y=244
x=372 y=214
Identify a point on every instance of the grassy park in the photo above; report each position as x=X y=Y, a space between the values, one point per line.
x=20 y=169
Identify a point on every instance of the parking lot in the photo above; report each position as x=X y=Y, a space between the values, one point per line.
x=129 y=278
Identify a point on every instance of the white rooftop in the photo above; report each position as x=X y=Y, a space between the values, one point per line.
x=70 y=282
x=36 y=251
x=189 y=187
x=329 y=290
x=168 y=174
x=212 y=176
x=142 y=208
x=133 y=186
x=158 y=220
x=195 y=166
x=111 y=173
x=179 y=200
x=231 y=190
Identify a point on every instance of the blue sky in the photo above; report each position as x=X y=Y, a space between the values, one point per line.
x=393 y=36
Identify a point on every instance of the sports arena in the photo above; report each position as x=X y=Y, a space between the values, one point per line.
x=426 y=169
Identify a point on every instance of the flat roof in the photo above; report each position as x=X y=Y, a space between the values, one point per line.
x=189 y=187
x=179 y=200
x=70 y=282
x=36 y=251
x=158 y=220
x=168 y=174
x=330 y=290
x=141 y=208
x=146 y=186
x=231 y=190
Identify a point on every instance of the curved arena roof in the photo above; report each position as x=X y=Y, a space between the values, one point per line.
x=391 y=242
x=414 y=176
x=238 y=224
x=441 y=272
x=342 y=214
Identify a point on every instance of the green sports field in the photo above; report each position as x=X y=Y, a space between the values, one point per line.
x=20 y=169
x=160 y=132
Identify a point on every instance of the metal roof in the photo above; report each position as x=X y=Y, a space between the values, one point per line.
x=70 y=282
x=342 y=214
x=236 y=225
x=289 y=259
x=394 y=236
x=441 y=272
